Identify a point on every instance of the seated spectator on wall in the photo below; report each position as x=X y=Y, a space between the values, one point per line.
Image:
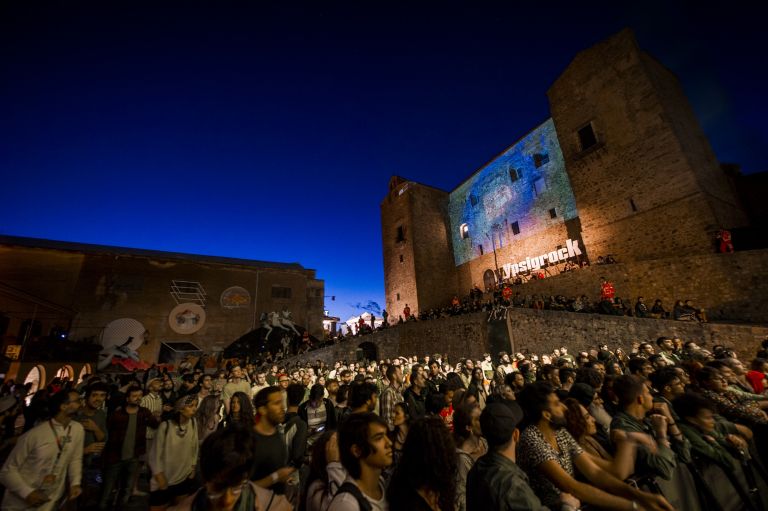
x=657 y=311
x=641 y=310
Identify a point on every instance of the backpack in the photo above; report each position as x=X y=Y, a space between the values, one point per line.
x=352 y=488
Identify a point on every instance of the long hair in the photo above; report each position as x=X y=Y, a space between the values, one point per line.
x=206 y=413
x=428 y=463
x=246 y=417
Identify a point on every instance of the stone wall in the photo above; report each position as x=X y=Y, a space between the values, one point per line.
x=537 y=332
x=731 y=287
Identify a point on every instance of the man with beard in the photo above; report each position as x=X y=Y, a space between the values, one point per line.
x=550 y=455
x=435 y=378
x=47 y=460
x=94 y=421
x=270 y=468
x=504 y=368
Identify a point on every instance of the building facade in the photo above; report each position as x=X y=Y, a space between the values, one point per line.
x=622 y=167
x=108 y=294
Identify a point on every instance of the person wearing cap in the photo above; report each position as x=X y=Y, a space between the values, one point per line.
x=550 y=456
x=495 y=482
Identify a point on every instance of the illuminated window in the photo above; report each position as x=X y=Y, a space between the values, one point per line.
x=515 y=226
x=473 y=199
x=514 y=174
x=587 y=137
x=540 y=159
x=281 y=292
x=464 y=230
x=400 y=233
x=553 y=213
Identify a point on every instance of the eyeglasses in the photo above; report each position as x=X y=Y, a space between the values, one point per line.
x=234 y=490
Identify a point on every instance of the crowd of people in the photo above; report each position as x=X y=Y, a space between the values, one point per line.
x=665 y=425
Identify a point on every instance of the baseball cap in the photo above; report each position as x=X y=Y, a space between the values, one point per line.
x=499 y=420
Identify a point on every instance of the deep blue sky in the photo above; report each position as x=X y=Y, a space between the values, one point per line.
x=270 y=130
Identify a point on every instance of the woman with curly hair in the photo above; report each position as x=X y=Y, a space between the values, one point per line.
x=208 y=417
x=425 y=479
x=240 y=411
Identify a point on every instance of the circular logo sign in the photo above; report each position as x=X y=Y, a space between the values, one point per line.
x=186 y=318
x=235 y=297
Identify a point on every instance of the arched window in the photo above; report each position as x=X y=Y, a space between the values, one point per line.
x=489 y=280
x=464 y=231
x=35 y=376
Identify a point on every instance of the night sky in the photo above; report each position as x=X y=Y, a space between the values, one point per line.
x=270 y=130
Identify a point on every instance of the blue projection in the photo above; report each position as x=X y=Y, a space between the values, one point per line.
x=520 y=192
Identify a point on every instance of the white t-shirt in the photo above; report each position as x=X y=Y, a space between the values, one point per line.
x=347 y=502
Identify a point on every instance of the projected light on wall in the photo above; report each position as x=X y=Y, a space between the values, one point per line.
x=512 y=197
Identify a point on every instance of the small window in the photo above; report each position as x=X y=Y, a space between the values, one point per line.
x=281 y=292
x=540 y=159
x=515 y=228
x=473 y=199
x=514 y=174
x=401 y=258
x=632 y=205
x=398 y=297
x=587 y=137
x=539 y=187
x=480 y=248
x=464 y=231
x=553 y=213
x=400 y=233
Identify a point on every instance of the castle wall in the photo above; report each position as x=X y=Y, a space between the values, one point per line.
x=536 y=332
x=647 y=187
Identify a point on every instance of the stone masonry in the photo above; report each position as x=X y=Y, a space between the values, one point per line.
x=537 y=332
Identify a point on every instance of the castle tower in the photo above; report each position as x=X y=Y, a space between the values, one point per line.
x=647 y=183
x=418 y=262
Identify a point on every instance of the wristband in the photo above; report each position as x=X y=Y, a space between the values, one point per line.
x=274 y=477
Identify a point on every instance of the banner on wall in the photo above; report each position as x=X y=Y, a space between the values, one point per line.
x=570 y=251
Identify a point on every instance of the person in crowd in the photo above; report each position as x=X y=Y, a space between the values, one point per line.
x=363 y=397
x=365 y=451
x=169 y=396
x=416 y=395
x=477 y=387
x=425 y=478
x=317 y=412
x=392 y=394
x=45 y=466
x=226 y=458
x=550 y=457
x=259 y=383
x=240 y=411
x=582 y=426
x=470 y=446
x=271 y=467
x=236 y=384
x=126 y=443
x=326 y=474
x=728 y=452
x=714 y=387
x=94 y=421
x=658 y=311
x=173 y=456
x=495 y=481
x=208 y=417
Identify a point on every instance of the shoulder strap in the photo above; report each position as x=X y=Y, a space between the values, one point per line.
x=352 y=488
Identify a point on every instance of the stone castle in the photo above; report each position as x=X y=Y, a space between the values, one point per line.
x=621 y=167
